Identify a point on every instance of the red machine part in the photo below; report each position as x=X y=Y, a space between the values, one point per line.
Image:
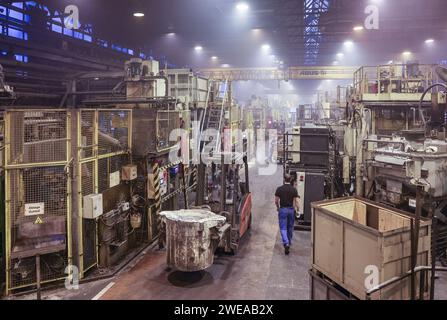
x=245 y=215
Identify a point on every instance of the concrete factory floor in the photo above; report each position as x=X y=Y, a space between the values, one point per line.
x=260 y=270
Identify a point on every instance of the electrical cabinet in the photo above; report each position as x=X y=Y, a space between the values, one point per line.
x=92 y=206
x=310 y=187
x=129 y=172
x=311 y=146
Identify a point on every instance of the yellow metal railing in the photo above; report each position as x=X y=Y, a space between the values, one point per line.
x=104 y=135
x=394 y=78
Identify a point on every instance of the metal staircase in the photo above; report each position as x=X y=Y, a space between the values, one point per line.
x=213 y=121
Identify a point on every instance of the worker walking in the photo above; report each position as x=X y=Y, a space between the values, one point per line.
x=287 y=202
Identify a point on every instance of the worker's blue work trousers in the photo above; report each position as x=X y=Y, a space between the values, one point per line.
x=286 y=225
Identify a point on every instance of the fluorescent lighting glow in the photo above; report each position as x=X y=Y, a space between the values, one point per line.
x=390 y=62
x=340 y=55
x=214 y=58
x=265 y=47
x=138 y=14
x=242 y=7
x=358 y=28
x=225 y=65
x=335 y=63
x=406 y=53
x=429 y=41
x=348 y=43
x=171 y=34
x=198 y=48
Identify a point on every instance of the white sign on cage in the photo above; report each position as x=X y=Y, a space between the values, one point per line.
x=34 y=209
x=114 y=179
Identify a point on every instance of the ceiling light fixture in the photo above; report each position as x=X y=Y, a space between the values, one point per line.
x=340 y=55
x=242 y=7
x=265 y=47
x=348 y=43
x=358 y=28
x=138 y=14
x=429 y=41
x=198 y=48
x=406 y=53
x=214 y=58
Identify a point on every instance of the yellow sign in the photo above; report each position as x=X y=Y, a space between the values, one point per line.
x=292 y=73
x=38 y=221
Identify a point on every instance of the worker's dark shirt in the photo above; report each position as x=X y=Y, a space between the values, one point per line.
x=286 y=193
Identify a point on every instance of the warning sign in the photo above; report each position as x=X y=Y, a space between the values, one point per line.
x=38 y=221
x=34 y=209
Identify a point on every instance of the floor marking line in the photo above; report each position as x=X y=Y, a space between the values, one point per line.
x=103 y=291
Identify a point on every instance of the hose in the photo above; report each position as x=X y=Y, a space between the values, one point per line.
x=422 y=101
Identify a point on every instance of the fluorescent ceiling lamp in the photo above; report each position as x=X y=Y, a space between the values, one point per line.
x=358 y=28
x=214 y=58
x=138 y=14
x=348 y=43
x=429 y=41
x=265 y=47
x=340 y=55
x=406 y=53
x=198 y=48
x=242 y=7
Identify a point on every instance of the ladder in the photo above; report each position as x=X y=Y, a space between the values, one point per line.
x=213 y=119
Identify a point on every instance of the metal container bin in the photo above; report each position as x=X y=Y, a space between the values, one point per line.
x=192 y=237
x=352 y=236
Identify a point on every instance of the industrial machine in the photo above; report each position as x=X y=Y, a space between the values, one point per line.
x=5 y=90
x=223 y=180
x=149 y=176
x=395 y=141
x=84 y=185
x=307 y=157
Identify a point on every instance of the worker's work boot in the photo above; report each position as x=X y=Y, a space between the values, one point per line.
x=287 y=250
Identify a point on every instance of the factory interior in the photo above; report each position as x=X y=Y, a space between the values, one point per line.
x=172 y=150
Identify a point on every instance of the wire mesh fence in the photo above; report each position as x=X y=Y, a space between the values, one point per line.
x=113 y=131
x=37 y=200
x=23 y=270
x=87 y=127
x=166 y=122
x=37 y=214
x=109 y=170
x=37 y=166
x=37 y=137
x=88 y=230
x=104 y=143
